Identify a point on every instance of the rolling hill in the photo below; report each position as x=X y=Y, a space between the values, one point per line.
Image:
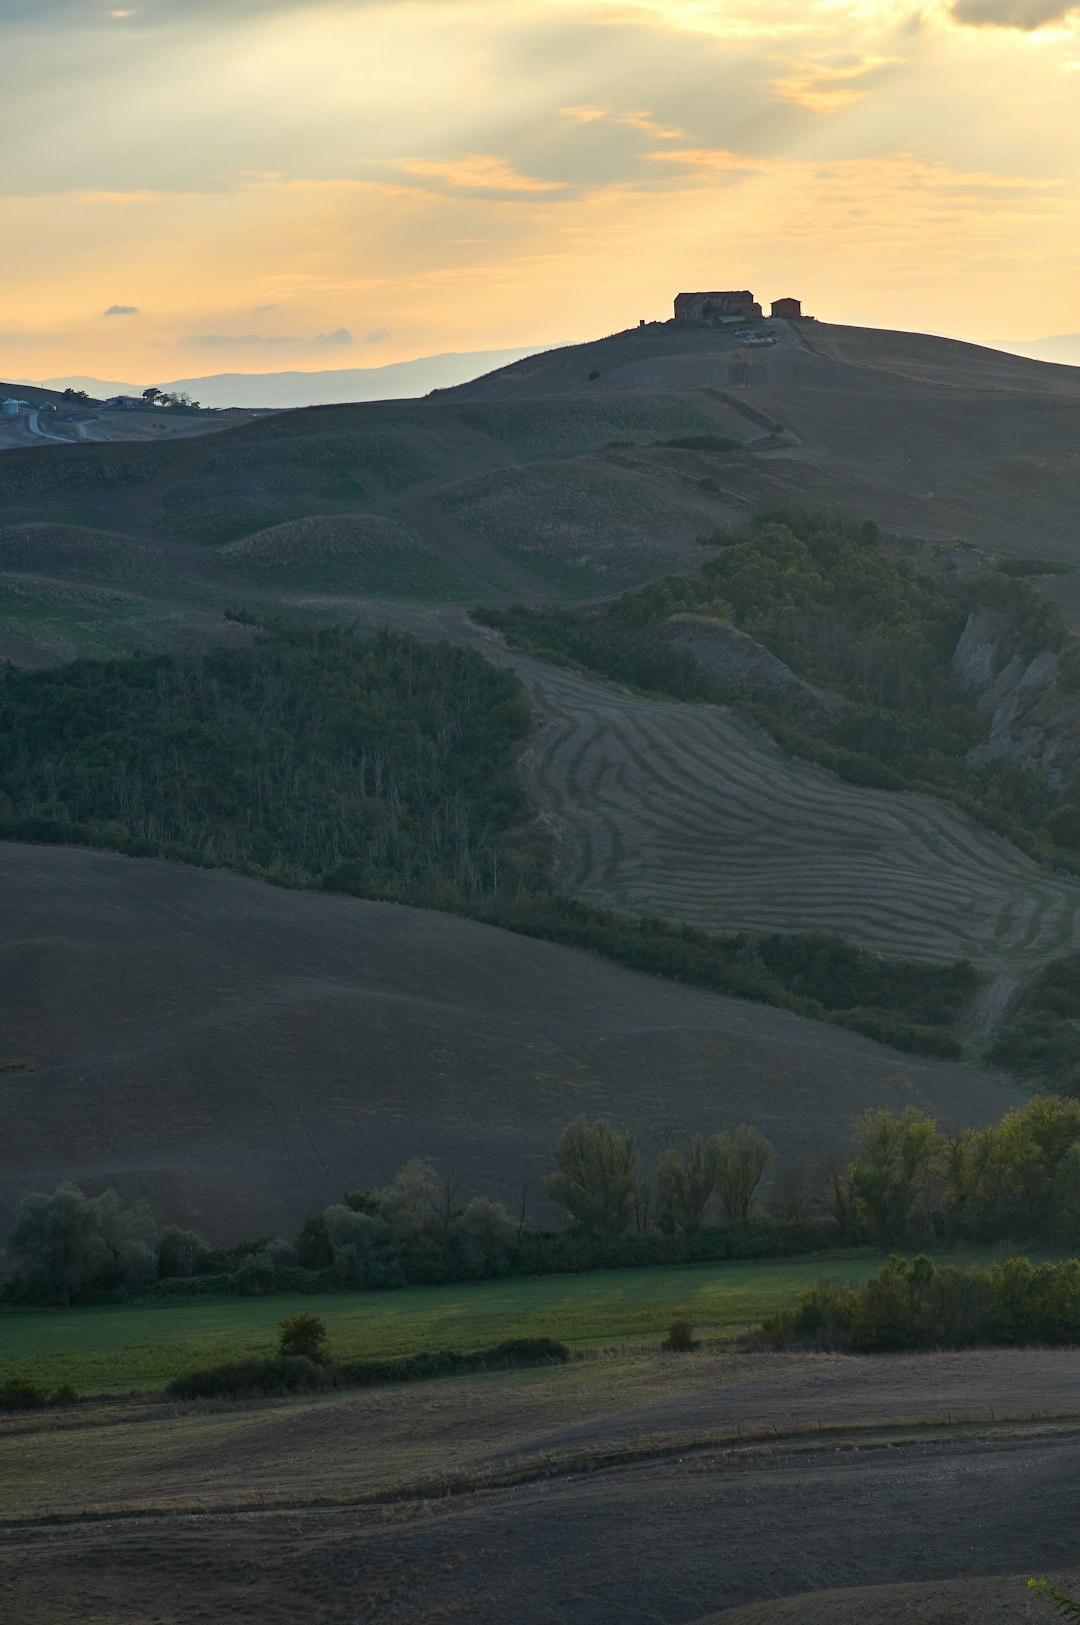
x=239 y=1054
x=571 y=474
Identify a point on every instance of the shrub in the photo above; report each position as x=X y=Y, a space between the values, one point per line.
x=917 y=1306
x=20 y=1394
x=303 y=1335
x=528 y=1351
x=64 y=1395
x=680 y=1338
x=235 y=1379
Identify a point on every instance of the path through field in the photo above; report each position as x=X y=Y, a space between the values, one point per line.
x=687 y=812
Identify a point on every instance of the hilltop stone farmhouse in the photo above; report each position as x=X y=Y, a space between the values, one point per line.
x=733 y=305
x=740 y=306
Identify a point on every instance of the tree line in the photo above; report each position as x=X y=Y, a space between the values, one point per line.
x=66 y=1247
x=909 y=1182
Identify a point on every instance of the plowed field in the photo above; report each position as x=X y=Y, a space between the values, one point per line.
x=240 y=1054
x=686 y=812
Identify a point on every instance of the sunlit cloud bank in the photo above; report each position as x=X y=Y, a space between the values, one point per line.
x=267 y=177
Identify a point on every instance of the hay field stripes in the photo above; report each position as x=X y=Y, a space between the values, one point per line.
x=689 y=813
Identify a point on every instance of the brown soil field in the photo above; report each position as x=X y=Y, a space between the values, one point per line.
x=459 y=1432
x=1004 y=1600
x=691 y=813
x=239 y=1054
x=536 y=483
x=616 y=1488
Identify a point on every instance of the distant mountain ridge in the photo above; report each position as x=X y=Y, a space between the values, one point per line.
x=1064 y=349
x=336 y=386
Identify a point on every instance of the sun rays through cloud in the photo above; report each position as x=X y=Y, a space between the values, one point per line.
x=553 y=167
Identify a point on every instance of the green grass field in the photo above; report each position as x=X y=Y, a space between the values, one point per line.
x=117 y=1349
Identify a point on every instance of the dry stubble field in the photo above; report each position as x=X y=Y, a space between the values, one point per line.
x=686 y=811
x=644 y=1488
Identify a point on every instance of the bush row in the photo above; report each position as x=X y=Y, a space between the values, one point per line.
x=292 y=1374
x=917 y=1306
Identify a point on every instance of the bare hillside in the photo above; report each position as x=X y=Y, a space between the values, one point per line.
x=239 y=1054
x=572 y=474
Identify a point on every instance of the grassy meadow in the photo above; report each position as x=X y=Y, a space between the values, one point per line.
x=120 y=1348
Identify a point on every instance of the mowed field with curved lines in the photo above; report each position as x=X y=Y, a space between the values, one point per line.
x=687 y=812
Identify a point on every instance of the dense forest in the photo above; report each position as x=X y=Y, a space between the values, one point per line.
x=848 y=615
x=308 y=753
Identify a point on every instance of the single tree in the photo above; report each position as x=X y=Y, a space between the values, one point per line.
x=789 y=1197
x=599 y=1178
x=890 y=1177
x=686 y=1185
x=55 y=1245
x=303 y=1335
x=743 y=1157
x=180 y=1252
x=484 y=1238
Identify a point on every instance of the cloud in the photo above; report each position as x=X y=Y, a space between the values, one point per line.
x=377 y=337
x=228 y=341
x=634 y=121
x=477 y=171
x=1027 y=15
x=121 y=310
x=830 y=87
x=222 y=341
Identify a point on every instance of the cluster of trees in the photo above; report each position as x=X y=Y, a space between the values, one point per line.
x=384 y=766
x=177 y=401
x=1017 y=1179
x=918 y=1306
x=66 y=1247
x=415 y=1229
x=843 y=611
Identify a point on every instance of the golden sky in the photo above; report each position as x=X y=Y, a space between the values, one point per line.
x=199 y=186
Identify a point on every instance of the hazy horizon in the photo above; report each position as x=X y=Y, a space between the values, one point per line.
x=414 y=376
